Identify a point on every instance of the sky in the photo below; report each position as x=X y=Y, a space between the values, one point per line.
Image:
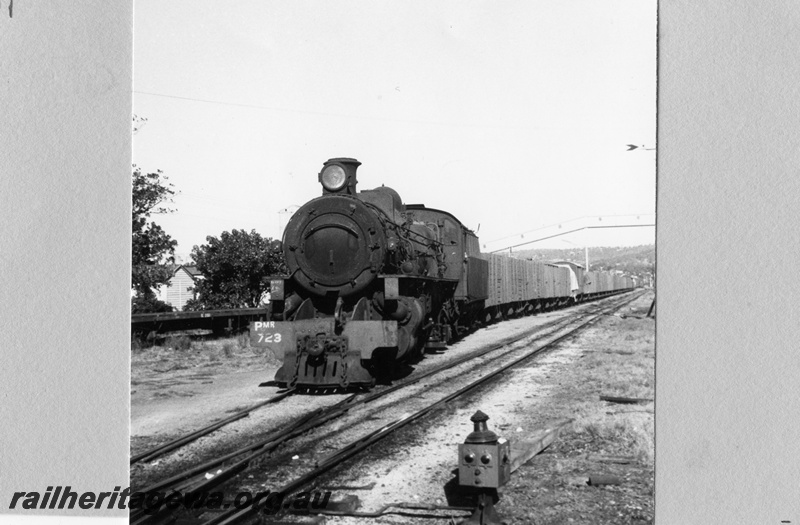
x=514 y=116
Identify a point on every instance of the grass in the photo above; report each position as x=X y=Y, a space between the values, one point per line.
x=622 y=367
x=183 y=355
x=229 y=347
x=624 y=436
x=181 y=342
x=625 y=369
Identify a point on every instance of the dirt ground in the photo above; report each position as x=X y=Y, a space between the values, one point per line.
x=185 y=385
x=182 y=384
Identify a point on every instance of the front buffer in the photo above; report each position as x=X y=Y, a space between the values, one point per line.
x=314 y=355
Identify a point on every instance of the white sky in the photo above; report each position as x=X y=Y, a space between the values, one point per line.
x=509 y=114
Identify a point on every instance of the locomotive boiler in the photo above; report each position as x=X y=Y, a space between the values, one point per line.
x=370 y=282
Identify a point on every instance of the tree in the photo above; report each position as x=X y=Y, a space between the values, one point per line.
x=152 y=249
x=236 y=268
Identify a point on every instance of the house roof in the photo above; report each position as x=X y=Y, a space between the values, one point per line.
x=191 y=270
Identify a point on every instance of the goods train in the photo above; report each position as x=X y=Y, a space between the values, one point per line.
x=373 y=281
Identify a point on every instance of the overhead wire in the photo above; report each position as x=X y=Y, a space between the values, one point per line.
x=339 y=115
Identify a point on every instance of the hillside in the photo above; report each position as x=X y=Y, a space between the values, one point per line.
x=633 y=260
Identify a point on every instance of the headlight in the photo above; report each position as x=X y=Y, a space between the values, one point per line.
x=333 y=177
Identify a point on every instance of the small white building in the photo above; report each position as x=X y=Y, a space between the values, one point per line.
x=177 y=291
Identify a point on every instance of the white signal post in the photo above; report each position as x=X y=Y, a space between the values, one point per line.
x=586 y=252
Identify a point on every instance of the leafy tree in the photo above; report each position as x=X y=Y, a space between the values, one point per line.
x=153 y=251
x=236 y=267
x=149 y=304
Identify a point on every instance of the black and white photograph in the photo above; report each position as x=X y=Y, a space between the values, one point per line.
x=394 y=262
x=399 y=262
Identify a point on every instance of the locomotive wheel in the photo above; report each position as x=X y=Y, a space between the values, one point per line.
x=443 y=320
x=452 y=320
x=419 y=351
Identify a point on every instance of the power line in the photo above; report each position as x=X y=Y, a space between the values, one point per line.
x=572 y=231
x=339 y=115
x=585 y=218
x=238 y=104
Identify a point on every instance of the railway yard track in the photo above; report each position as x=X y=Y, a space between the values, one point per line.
x=296 y=454
x=448 y=358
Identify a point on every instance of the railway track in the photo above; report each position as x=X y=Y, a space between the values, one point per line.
x=153 y=453
x=436 y=383
x=174 y=444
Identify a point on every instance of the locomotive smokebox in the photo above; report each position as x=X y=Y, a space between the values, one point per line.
x=339 y=176
x=335 y=245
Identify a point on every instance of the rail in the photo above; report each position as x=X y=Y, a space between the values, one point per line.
x=233 y=516
x=184 y=481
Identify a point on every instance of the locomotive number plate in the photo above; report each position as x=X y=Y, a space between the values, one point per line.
x=281 y=336
x=266 y=338
x=265 y=333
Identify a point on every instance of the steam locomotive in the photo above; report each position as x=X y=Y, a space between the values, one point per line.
x=373 y=281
